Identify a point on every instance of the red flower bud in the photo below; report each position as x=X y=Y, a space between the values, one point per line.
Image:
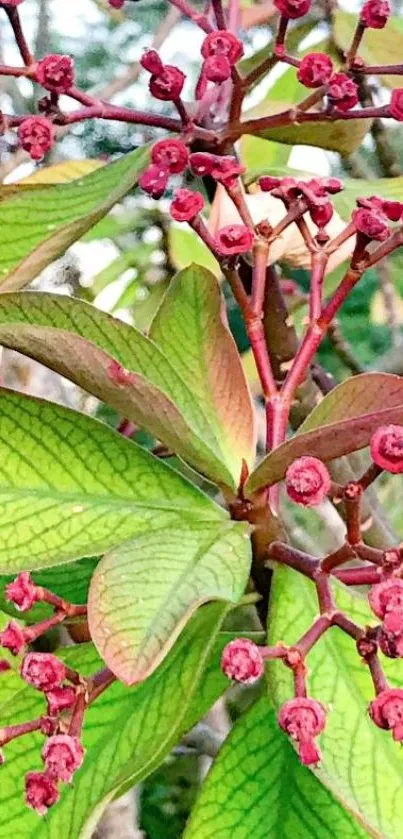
x=393 y=210
x=55 y=73
x=11 y=2
x=391 y=642
x=168 y=84
x=222 y=43
x=226 y=169
x=4 y=665
x=22 y=592
x=202 y=163
x=242 y=661
x=12 y=638
x=315 y=69
x=41 y=791
x=342 y=92
x=386 y=597
x=63 y=755
x=332 y=185
x=154 y=180
x=371 y=202
x=60 y=699
x=36 y=135
x=375 y=13
x=268 y=183
x=49 y=726
x=371 y=224
x=321 y=214
x=216 y=69
x=303 y=719
x=396 y=104
x=293 y=8
x=307 y=481
x=234 y=239
x=386 y=711
x=43 y=671
x=171 y=155
x=386 y=448
x=152 y=62
x=186 y=205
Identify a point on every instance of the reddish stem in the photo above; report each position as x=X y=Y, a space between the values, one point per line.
x=11 y=732
x=319 y=261
x=14 y=18
x=358 y=576
x=199 y=19
x=302 y=562
x=219 y=13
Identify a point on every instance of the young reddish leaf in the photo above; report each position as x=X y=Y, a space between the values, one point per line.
x=143 y=593
x=259 y=804
x=190 y=329
x=70 y=485
x=361 y=764
x=82 y=343
x=343 y=422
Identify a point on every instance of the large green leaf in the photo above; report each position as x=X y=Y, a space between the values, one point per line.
x=80 y=342
x=127 y=732
x=343 y=422
x=378 y=46
x=190 y=330
x=361 y=764
x=143 y=593
x=40 y=224
x=257 y=787
x=69 y=485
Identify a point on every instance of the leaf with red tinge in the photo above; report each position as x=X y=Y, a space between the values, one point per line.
x=143 y=593
x=343 y=422
x=190 y=330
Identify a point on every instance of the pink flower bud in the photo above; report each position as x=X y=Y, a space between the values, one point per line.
x=186 y=205
x=293 y=8
x=321 y=214
x=154 y=180
x=60 y=699
x=234 y=239
x=116 y=4
x=222 y=43
x=268 y=183
x=386 y=711
x=393 y=210
x=307 y=481
x=315 y=69
x=371 y=223
x=171 y=155
x=370 y=202
x=63 y=755
x=43 y=671
x=4 y=665
x=201 y=163
x=342 y=92
x=332 y=185
x=55 y=73
x=12 y=638
x=242 y=661
x=22 y=592
x=152 y=62
x=396 y=104
x=49 y=726
x=386 y=448
x=216 y=69
x=303 y=719
x=41 y=791
x=391 y=642
x=11 y=2
x=168 y=84
x=375 y=13
x=226 y=169
x=386 y=597
x=36 y=135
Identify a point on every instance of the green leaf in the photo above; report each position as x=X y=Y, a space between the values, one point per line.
x=127 y=732
x=341 y=136
x=361 y=764
x=378 y=46
x=70 y=485
x=189 y=329
x=343 y=422
x=247 y=791
x=79 y=342
x=185 y=248
x=39 y=225
x=143 y=594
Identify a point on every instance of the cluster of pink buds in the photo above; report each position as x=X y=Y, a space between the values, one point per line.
x=65 y=693
x=166 y=82
x=220 y=51
x=315 y=193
